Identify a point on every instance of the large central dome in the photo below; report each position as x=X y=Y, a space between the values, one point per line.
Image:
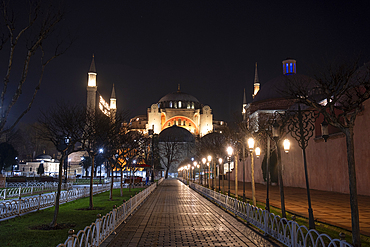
x=179 y=100
x=178 y=96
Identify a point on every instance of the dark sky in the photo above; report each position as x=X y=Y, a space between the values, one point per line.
x=146 y=48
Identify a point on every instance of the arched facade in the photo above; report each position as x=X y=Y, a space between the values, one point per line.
x=181 y=109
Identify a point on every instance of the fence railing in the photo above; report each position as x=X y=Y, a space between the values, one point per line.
x=26 y=189
x=19 y=206
x=288 y=232
x=97 y=232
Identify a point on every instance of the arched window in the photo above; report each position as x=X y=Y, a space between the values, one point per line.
x=179 y=104
x=192 y=105
x=175 y=104
x=170 y=104
x=188 y=105
x=291 y=67
x=179 y=121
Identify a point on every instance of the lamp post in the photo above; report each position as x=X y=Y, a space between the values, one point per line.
x=209 y=158
x=219 y=174
x=195 y=164
x=229 y=153
x=204 y=160
x=251 y=147
x=302 y=127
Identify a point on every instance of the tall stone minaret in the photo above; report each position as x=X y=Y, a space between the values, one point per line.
x=91 y=87
x=113 y=104
x=256 y=85
x=244 y=112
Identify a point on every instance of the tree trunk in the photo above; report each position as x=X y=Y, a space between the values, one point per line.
x=356 y=241
x=166 y=175
x=121 y=182
x=91 y=205
x=280 y=179
x=111 y=187
x=56 y=209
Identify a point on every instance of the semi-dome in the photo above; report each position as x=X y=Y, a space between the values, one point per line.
x=278 y=87
x=175 y=134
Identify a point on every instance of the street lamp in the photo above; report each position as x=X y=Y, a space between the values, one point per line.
x=229 y=153
x=204 y=160
x=209 y=158
x=219 y=175
x=251 y=147
x=325 y=130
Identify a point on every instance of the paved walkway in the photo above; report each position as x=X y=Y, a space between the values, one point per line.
x=175 y=215
x=328 y=207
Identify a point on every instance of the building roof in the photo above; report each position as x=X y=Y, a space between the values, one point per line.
x=175 y=134
x=43 y=157
x=278 y=87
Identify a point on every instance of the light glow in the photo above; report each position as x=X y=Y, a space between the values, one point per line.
x=258 y=151
x=251 y=144
x=286 y=145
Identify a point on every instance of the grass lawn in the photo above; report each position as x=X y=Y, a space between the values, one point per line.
x=18 y=232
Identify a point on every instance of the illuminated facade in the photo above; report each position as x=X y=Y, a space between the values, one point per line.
x=180 y=109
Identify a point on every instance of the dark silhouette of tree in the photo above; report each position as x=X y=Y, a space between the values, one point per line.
x=28 y=40
x=62 y=125
x=7 y=156
x=338 y=93
x=40 y=169
x=85 y=163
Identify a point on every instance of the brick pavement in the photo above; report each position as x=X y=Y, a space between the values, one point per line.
x=328 y=207
x=175 y=215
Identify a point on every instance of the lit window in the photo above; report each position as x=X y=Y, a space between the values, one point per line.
x=192 y=105
x=137 y=119
x=291 y=67
x=287 y=68
x=169 y=124
x=179 y=104
x=175 y=104
x=188 y=105
x=221 y=123
x=170 y=104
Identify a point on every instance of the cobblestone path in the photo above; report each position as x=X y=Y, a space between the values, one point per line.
x=175 y=215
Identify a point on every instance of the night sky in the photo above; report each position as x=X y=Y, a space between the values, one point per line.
x=147 y=48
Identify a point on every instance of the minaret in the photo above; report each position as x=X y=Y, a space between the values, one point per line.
x=91 y=87
x=256 y=85
x=244 y=112
x=113 y=104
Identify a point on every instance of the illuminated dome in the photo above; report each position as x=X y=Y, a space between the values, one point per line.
x=179 y=100
x=175 y=134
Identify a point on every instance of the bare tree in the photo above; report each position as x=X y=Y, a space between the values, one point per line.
x=34 y=34
x=338 y=93
x=63 y=126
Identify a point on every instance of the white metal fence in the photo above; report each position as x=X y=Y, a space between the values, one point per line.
x=26 y=189
x=17 y=207
x=94 y=234
x=288 y=232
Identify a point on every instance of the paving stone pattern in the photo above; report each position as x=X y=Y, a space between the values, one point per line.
x=175 y=215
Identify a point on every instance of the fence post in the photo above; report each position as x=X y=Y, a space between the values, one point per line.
x=32 y=191
x=266 y=221
x=70 y=238
x=5 y=194
x=97 y=229
x=19 y=206
x=294 y=232
x=342 y=237
x=20 y=192
x=38 y=206
x=114 y=215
